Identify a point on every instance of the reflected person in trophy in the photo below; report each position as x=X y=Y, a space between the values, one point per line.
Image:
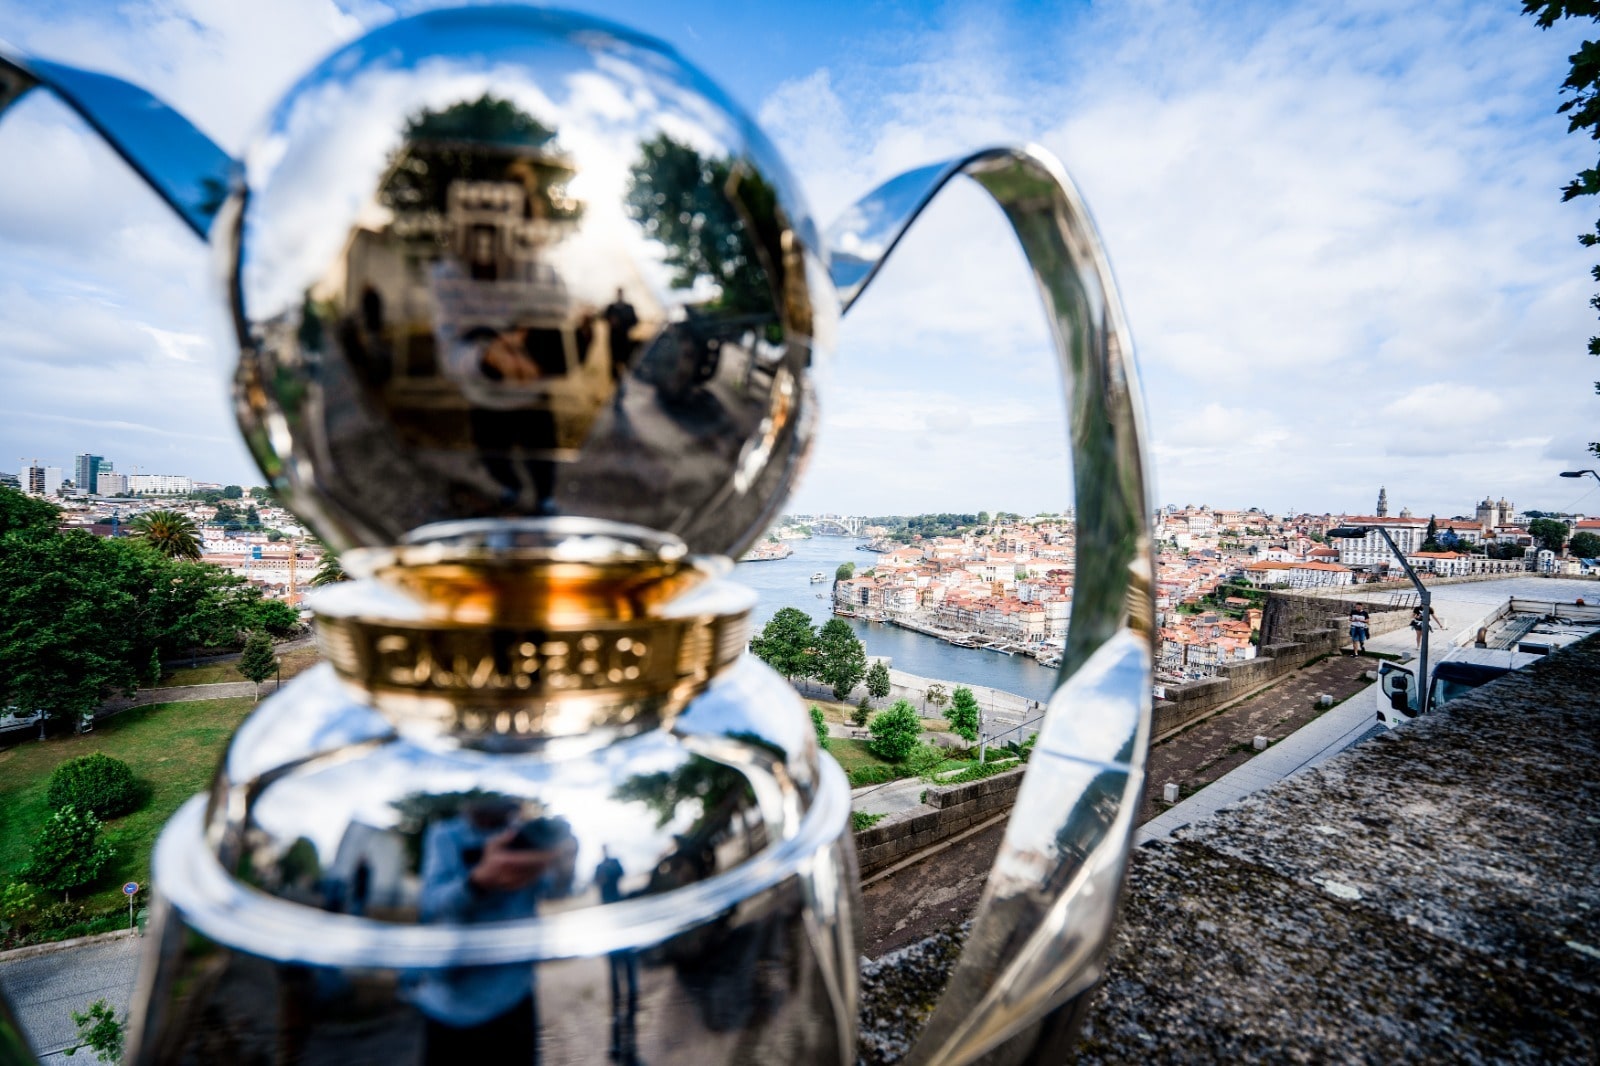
x=415 y=269
x=620 y=318
x=624 y=966
x=481 y=865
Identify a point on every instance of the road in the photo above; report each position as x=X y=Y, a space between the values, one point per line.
x=47 y=988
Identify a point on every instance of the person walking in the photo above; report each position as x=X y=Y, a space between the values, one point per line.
x=1419 y=622
x=1359 y=627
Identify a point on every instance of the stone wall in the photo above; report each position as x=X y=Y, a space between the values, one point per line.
x=1288 y=618
x=1294 y=630
x=946 y=811
x=1429 y=895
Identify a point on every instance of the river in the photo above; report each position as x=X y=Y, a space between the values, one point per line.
x=787 y=583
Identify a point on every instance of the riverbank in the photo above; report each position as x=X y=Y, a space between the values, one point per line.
x=1046 y=655
x=787 y=583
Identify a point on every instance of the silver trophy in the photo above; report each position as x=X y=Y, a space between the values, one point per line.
x=528 y=318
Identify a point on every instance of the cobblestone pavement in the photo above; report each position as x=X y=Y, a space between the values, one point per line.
x=46 y=989
x=1204 y=752
x=887 y=798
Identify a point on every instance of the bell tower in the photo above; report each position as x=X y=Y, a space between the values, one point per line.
x=1383 y=502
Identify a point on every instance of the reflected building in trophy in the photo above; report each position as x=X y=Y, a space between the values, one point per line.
x=529 y=320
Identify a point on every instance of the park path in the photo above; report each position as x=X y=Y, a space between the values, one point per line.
x=221 y=690
x=184 y=662
x=890 y=797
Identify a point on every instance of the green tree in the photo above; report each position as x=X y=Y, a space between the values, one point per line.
x=1583 y=109
x=964 y=714
x=486 y=139
x=1584 y=545
x=21 y=513
x=1430 y=543
x=937 y=695
x=820 y=725
x=232 y=492
x=1549 y=533
x=686 y=201
x=862 y=713
x=168 y=532
x=895 y=732
x=878 y=680
x=99 y=1031
x=841 y=658
x=788 y=644
x=68 y=852
x=845 y=572
x=258 y=663
x=96 y=783
x=270 y=616
x=82 y=617
x=330 y=572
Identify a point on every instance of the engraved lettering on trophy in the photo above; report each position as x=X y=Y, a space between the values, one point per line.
x=440 y=662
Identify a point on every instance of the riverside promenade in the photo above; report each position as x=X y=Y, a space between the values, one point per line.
x=1006 y=715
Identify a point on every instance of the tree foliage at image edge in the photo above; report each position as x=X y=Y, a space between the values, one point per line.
x=1583 y=111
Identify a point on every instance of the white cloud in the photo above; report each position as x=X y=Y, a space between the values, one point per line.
x=1337 y=232
x=1336 y=227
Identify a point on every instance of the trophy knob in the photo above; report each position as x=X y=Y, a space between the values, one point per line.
x=528 y=313
x=502 y=263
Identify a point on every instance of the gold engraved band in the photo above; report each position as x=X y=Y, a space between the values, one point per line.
x=487 y=681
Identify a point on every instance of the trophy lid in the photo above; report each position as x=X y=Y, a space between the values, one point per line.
x=510 y=263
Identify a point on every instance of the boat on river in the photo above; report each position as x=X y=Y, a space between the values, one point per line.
x=818 y=577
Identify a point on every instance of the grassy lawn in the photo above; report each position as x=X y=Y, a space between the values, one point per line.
x=294 y=661
x=173 y=749
x=853 y=754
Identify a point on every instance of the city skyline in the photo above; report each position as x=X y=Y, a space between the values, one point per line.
x=1339 y=237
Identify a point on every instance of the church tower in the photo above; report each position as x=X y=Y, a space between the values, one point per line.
x=1383 y=502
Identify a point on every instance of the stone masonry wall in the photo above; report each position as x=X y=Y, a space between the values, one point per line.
x=1288 y=617
x=946 y=811
x=1294 y=630
x=1430 y=895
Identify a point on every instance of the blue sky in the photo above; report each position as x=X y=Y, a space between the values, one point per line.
x=1337 y=229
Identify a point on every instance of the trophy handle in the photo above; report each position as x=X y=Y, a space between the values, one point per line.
x=183 y=165
x=1042 y=930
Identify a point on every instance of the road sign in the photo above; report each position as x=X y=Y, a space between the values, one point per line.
x=129 y=890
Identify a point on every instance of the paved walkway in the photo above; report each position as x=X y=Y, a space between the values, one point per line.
x=1311 y=745
x=46 y=989
x=1463 y=608
x=222 y=690
x=890 y=797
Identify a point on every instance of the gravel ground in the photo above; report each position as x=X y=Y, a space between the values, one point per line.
x=1432 y=895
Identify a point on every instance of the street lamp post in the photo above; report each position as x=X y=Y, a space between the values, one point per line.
x=1580 y=473
x=982 y=740
x=1360 y=533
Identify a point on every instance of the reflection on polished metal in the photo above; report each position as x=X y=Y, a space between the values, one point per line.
x=506 y=262
x=528 y=316
x=1043 y=926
